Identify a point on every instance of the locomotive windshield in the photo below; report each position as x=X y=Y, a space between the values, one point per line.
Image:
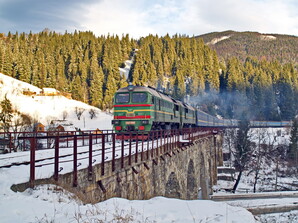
x=122 y=98
x=139 y=97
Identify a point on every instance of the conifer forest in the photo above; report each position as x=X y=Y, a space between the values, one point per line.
x=185 y=67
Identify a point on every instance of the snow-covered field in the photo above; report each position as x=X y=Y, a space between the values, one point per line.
x=49 y=203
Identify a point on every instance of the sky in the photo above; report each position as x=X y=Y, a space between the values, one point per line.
x=138 y=18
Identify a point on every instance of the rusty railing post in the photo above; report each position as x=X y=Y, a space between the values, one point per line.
x=75 y=161
x=24 y=142
x=113 y=151
x=83 y=139
x=32 y=161
x=168 y=139
x=152 y=149
x=177 y=138
x=103 y=155
x=142 y=155
x=162 y=141
x=157 y=134
x=56 y=163
x=90 y=157
x=10 y=142
x=137 y=142
x=129 y=149
x=149 y=135
x=122 y=150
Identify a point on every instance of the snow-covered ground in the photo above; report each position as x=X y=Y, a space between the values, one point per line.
x=49 y=203
x=216 y=40
x=273 y=174
x=45 y=109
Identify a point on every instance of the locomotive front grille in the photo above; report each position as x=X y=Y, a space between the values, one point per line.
x=130 y=127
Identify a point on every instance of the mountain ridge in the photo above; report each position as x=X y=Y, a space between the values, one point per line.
x=283 y=48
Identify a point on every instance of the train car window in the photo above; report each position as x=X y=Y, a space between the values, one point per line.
x=122 y=98
x=186 y=110
x=176 y=107
x=139 y=97
x=153 y=100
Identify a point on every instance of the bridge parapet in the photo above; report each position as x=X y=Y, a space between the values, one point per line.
x=172 y=164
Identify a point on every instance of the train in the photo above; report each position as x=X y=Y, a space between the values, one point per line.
x=141 y=109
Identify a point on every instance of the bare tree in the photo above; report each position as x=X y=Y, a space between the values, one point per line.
x=258 y=155
x=229 y=141
x=242 y=152
x=79 y=112
x=92 y=113
x=64 y=115
x=21 y=123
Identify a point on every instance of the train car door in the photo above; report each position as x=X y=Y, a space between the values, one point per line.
x=154 y=102
x=181 y=116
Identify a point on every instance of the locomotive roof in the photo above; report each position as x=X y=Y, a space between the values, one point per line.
x=147 y=89
x=155 y=93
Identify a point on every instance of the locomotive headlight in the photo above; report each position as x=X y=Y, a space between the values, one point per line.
x=145 y=122
x=115 y=122
x=130 y=87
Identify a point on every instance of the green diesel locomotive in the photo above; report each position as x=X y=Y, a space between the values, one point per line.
x=138 y=108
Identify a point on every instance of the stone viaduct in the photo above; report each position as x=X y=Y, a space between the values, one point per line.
x=188 y=171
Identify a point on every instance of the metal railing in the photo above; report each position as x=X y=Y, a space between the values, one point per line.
x=108 y=146
x=18 y=141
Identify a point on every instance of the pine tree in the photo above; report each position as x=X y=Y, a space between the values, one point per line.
x=234 y=75
x=77 y=89
x=6 y=114
x=110 y=90
x=242 y=149
x=61 y=83
x=285 y=100
x=293 y=146
x=96 y=85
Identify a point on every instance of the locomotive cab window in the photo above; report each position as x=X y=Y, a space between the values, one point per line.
x=122 y=98
x=139 y=97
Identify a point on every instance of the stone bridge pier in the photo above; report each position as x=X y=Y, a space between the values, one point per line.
x=187 y=172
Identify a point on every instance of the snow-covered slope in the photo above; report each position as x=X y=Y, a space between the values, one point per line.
x=50 y=203
x=44 y=109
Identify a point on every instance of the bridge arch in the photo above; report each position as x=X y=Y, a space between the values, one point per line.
x=172 y=188
x=192 y=181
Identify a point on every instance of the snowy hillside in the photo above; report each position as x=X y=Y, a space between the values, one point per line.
x=45 y=109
